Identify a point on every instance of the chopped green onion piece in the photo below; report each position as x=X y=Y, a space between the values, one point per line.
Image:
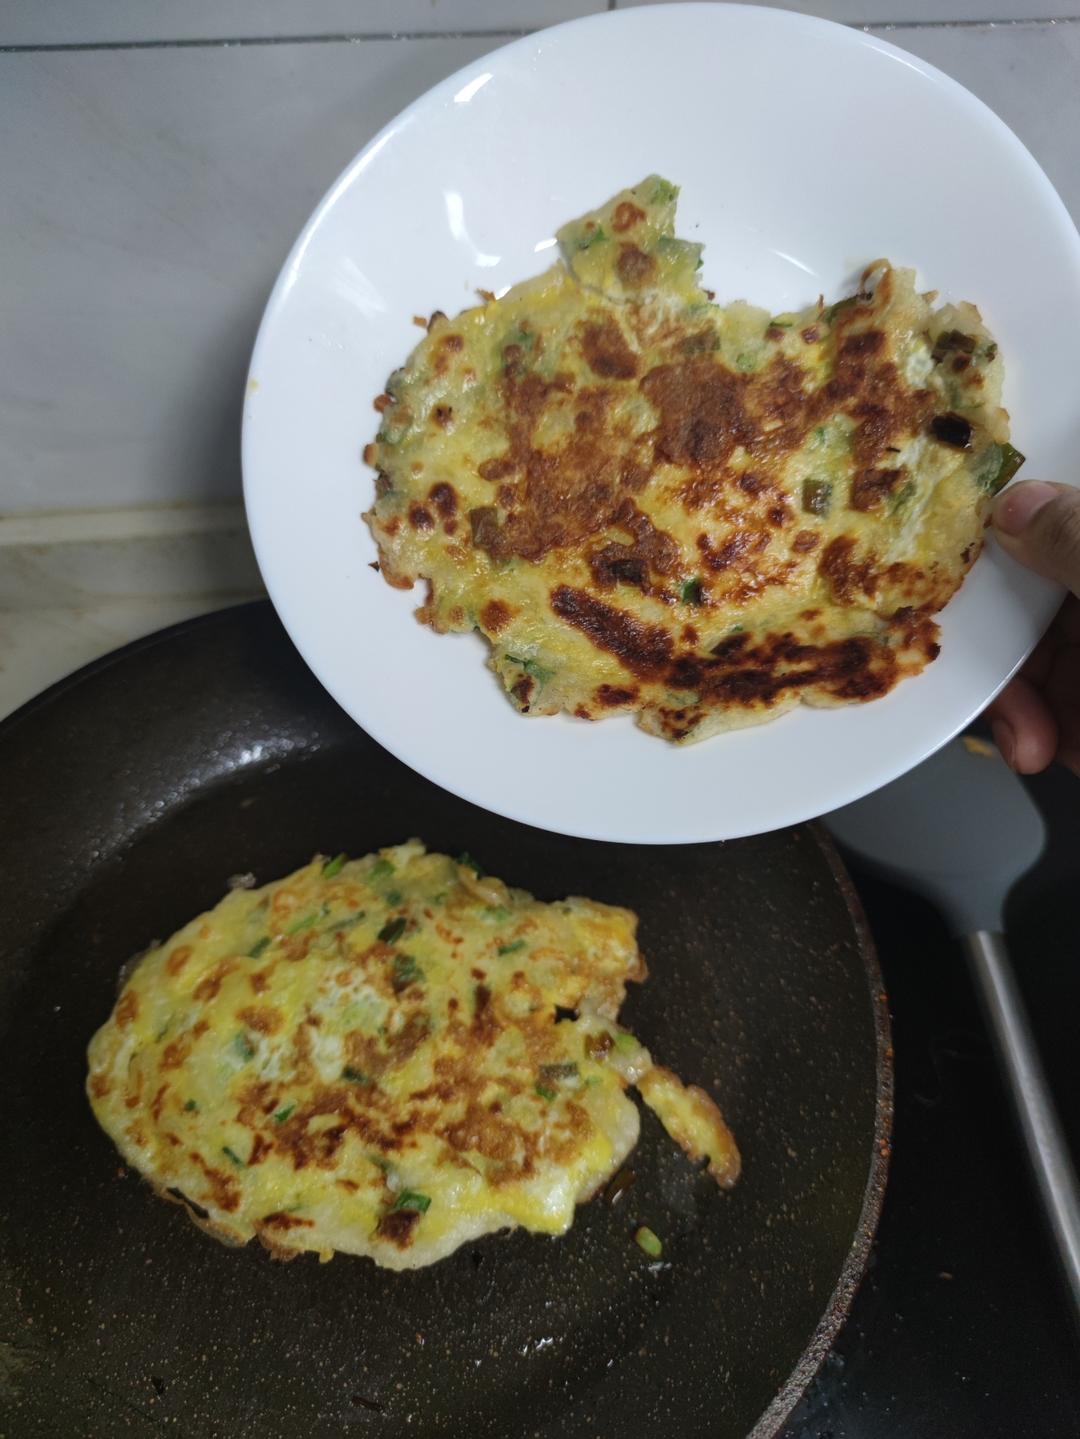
x=591 y=237
x=380 y=1162
x=663 y=192
x=406 y=971
x=691 y=592
x=512 y=947
x=531 y=667
x=259 y=946
x=393 y=929
x=841 y=305
x=305 y=923
x=745 y=363
x=816 y=497
x=231 y=1154
x=282 y=1114
x=1011 y=460
x=625 y=1042
x=778 y=324
x=559 y=1071
x=410 y=1199
x=819 y=432
x=465 y=859
x=334 y=866
x=645 y=1239
x=355 y=1076
x=380 y=869
x=902 y=496
x=192 y=1106
x=545 y=1093
x=352 y=920
x=996 y=466
x=243 y=1046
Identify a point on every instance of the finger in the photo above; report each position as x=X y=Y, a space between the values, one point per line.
x=1039 y=524
x=1024 y=729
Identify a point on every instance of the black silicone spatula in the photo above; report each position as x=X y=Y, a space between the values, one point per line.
x=961 y=829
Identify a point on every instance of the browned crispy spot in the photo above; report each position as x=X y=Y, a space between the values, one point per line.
x=383 y=403
x=626 y=214
x=605 y=348
x=442 y=415
x=611 y=695
x=208 y=987
x=444 y=497
x=223 y=1187
x=805 y=541
x=260 y=1017
x=497 y=468
x=127 y=1008
x=100 y=1085
x=495 y=616
x=634 y=266
x=846 y=576
x=872 y=486
x=280 y=1220
x=420 y=517
x=522 y=690
x=177 y=959
x=397 y=1227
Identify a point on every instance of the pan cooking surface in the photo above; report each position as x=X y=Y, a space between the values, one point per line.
x=131 y=794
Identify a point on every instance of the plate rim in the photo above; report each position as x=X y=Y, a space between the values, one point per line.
x=808 y=809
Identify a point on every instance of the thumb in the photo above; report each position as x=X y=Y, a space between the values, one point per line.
x=1039 y=524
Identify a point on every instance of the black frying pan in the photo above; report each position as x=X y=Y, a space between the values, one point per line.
x=130 y=794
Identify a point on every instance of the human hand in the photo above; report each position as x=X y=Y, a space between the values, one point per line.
x=1036 y=718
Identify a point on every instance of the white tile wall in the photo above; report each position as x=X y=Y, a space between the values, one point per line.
x=914 y=12
x=156 y=193
x=97 y=22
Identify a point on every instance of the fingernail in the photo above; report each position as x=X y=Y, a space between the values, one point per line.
x=1018 y=506
x=1005 y=741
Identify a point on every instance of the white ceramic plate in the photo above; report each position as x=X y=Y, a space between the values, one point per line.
x=804 y=150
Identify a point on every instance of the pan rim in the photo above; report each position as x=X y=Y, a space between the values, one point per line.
x=853 y=1269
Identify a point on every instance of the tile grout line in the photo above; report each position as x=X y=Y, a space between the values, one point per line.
x=228 y=42
x=362 y=36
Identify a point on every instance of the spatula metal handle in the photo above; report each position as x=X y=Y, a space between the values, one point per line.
x=1035 y=1111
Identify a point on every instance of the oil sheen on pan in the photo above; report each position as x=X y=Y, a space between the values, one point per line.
x=702 y=515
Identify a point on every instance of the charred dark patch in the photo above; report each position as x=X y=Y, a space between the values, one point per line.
x=610 y=696
x=643 y=649
x=702 y=417
x=497 y=468
x=952 y=429
x=605 y=348
x=444 y=499
x=484 y=522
